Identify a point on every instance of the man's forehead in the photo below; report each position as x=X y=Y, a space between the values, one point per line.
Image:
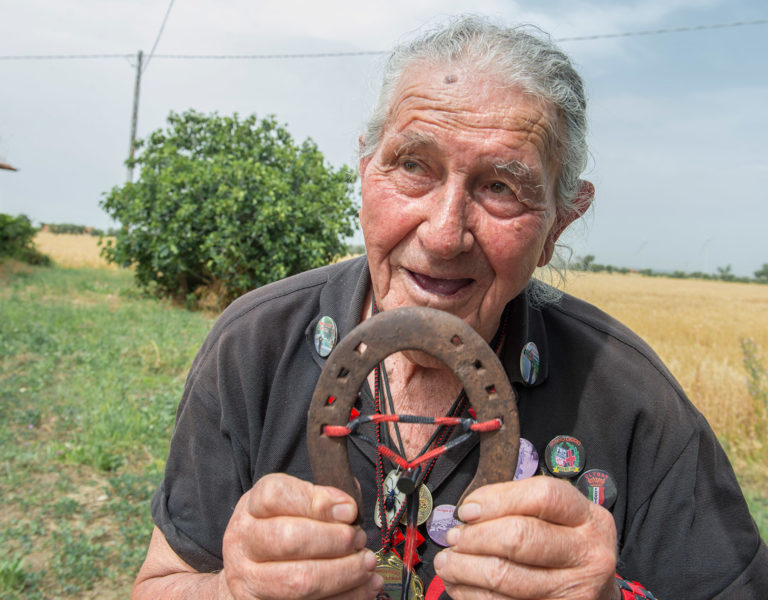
x=475 y=102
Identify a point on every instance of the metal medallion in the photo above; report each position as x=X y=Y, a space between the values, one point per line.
x=529 y=363
x=565 y=456
x=390 y=566
x=425 y=506
x=326 y=336
x=527 y=460
x=440 y=522
x=598 y=486
x=393 y=499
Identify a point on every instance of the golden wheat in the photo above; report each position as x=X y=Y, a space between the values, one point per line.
x=695 y=326
x=72 y=250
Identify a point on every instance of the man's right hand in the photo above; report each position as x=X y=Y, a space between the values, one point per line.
x=288 y=538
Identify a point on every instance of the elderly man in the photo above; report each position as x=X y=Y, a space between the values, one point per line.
x=470 y=172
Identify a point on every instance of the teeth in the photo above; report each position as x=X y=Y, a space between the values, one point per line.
x=443 y=287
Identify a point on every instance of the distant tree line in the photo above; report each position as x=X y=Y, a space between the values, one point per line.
x=587 y=263
x=77 y=229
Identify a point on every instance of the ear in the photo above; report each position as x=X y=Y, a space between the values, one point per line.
x=581 y=203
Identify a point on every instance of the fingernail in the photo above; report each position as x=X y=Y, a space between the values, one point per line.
x=343 y=512
x=468 y=512
x=369 y=560
x=452 y=537
x=360 y=540
x=440 y=560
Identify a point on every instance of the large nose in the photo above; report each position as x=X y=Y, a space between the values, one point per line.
x=445 y=230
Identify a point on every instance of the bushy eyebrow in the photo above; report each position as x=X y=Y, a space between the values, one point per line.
x=517 y=169
x=412 y=140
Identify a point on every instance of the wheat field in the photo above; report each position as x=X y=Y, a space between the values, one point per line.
x=71 y=250
x=694 y=325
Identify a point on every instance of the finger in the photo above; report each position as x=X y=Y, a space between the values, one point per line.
x=465 y=592
x=475 y=576
x=546 y=498
x=310 y=579
x=287 y=538
x=521 y=539
x=278 y=494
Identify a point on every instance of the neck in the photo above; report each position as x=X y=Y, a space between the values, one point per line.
x=420 y=385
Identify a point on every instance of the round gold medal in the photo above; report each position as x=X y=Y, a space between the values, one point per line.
x=390 y=566
x=425 y=506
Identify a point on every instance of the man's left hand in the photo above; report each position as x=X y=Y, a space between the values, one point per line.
x=536 y=538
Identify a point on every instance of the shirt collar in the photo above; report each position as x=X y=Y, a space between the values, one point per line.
x=343 y=296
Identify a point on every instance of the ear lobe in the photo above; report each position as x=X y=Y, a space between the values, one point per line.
x=581 y=204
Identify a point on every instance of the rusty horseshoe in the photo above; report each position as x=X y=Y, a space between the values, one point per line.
x=439 y=334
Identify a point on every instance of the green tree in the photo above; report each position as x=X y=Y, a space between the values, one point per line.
x=17 y=240
x=725 y=273
x=229 y=204
x=583 y=263
x=761 y=274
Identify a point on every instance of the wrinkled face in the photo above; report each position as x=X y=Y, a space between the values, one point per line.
x=459 y=197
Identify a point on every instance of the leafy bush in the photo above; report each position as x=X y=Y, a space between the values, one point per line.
x=227 y=204
x=17 y=240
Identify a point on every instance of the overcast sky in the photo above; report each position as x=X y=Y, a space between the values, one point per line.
x=678 y=121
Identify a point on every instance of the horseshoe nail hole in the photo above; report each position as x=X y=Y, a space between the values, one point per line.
x=478 y=365
x=456 y=340
x=491 y=389
x=343 y=372
x=361 y=348
x=331 y=400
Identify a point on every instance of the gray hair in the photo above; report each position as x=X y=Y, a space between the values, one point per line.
x=520 y=57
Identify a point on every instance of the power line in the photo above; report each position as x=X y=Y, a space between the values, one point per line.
x=271 y=56
x=660 y=31
x=368 y=52
x=65 y=56
x=159 y=33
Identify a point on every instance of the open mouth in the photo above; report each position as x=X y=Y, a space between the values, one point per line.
x=442 y=287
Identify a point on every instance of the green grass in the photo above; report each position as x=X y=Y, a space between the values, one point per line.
x=90 y=375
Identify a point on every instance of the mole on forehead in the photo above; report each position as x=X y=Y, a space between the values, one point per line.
x=450 y=78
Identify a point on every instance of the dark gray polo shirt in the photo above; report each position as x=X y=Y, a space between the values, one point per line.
x=683 y=526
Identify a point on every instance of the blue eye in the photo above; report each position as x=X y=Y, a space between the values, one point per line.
x=409 y=165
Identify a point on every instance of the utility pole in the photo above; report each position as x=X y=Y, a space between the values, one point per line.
x=135 y=117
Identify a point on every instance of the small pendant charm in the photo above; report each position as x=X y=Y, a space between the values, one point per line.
x=390 y=566
x=393 y=499
x=426 y=503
